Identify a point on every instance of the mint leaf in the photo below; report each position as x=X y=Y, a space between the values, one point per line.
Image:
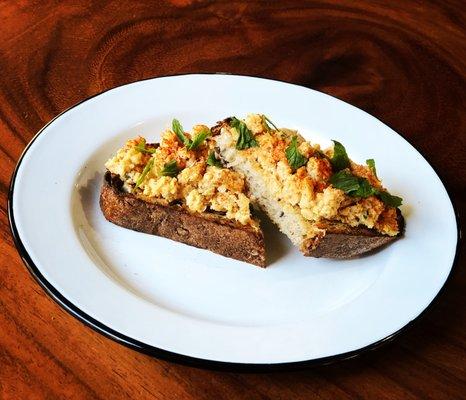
x=246 y=137
x=294 y=157
x=141 y=146
x=267 y=121
x=170 y=169
x=352 y=185
x=388 y=199
x=199 y=138
x=360 y=187
x=145 y=171
x=371 y=164
x=345 y=181
x=340 y=159
x=365 y=189
x=213 y=161
x=178 y=129
x=190 y=144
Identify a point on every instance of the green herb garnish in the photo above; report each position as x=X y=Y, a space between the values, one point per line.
x=267 y=121
x=371 y=164
x=170 y=169
x=346 y=181
x=360 y=187
x=145 y=171
x=294 y=157
x=141 y=146
x=388 y=199
x=365 y=189
x=213 y=161
x=178 y=129
x=199 y=138
x=246 y=137
x=340 y=159
x=354 y=185
x=190 y=144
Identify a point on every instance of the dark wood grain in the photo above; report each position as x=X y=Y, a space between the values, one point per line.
x=404 y=62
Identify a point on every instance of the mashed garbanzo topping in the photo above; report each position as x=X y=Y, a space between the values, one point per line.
x=318 y=184
x=300 y=175
x=173 y=172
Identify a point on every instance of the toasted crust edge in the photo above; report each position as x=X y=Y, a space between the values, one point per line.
x=205 y=231
x=342 y=241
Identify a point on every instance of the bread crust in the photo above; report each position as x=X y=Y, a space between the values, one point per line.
x=206 y=231
x=342 y=241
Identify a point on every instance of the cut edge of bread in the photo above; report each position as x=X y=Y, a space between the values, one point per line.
x=203 y=230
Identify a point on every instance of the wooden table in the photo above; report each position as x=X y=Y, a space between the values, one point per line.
x=403 y=62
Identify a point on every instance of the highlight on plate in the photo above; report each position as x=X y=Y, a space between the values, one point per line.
x=202 y=187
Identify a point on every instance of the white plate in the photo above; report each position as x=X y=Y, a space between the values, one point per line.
x=161 y=296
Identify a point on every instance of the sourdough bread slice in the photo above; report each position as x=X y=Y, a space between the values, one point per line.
x=318 y=238
x=203 y=230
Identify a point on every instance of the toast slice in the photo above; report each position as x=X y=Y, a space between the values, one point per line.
x=326 y=204
x=180 y=190
x=203 y=230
